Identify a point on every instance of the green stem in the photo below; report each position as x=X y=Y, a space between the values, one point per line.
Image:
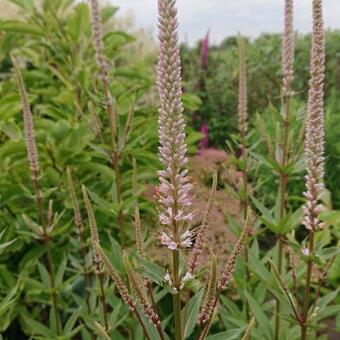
x=115 y=163
x=103 y=300
x=142 y=324
x=176 y=296
x=47 y=243
x=87 y=275
x=54 y=301
x=244 y=210
x=153 y=301
x=304 y=326
x=282 y=193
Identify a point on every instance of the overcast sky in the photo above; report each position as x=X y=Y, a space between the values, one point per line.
x=227 y=17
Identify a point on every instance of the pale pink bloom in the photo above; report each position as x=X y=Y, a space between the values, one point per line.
x=167 y=241
x=167 y=279
x=187 y=277
x=288 y=49
x=314 y=144
x=174 y=190
x=186 y=239
x=305 y=251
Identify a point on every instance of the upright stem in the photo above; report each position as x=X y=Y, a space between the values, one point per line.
x=120 y=220
x=78 y=221
x=151 y=295
x=100 y=275
x=304 y=326
x=282 y=194
x=103 y=300
x=176 y=295
x=243 y=127
x=87 y=276
x=103 y=70
x=244 y=209
x=47 y=243
x=142 y=324
x=283 y=179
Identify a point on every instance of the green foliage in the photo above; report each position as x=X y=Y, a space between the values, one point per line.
x=219 y=89
x=54 y=47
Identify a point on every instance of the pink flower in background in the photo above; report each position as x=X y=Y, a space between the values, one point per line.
x=205 y=51
x=204 y=142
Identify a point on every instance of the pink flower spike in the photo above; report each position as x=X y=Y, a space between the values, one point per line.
x=314 y=140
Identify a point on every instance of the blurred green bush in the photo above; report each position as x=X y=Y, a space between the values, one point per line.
x=219 y=90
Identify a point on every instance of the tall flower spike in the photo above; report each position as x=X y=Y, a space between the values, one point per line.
x=231 y=263
x=31 y=147
x=137 y=283
x=314 y=144
x=242 y=89
x=97 y=37
x=174 y=190
x=210 y=296
x=202 y=231
x=288 y=49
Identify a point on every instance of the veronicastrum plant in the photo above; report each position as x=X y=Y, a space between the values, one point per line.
x=285 y=158
x=175 y=209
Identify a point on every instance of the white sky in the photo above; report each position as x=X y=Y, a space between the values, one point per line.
x=227 y=17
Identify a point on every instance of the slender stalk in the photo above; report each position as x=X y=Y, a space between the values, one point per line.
x=80 y=230
x=142 y=324
x=32 y=155
x=116 y=167
x=176 y=295
x=97 y=37
x=322 y=281
x=243 y=126
x=314 y=149
x=287 y=70
x=103 y=299
x=154 y=306
x=286 y=290
x=304 y=326
x=247 y=333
